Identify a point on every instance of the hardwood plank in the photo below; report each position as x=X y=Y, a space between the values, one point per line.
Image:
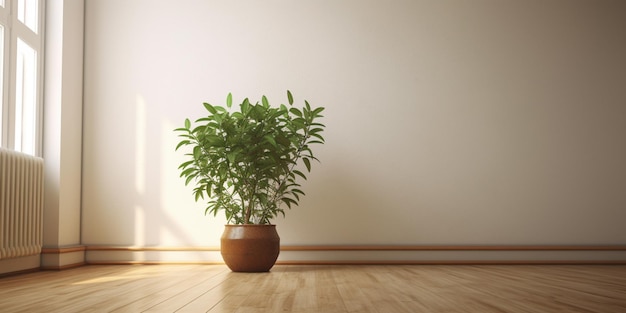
x=227 y=296
x=320 y=288
x=104 y=293
x=350 y=281
x=328 y=295
x=176 y=293
x=188 y=290
x=47 y=291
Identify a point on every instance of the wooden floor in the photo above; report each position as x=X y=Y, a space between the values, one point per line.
x=333 y=288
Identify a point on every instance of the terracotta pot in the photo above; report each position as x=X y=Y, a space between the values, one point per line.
x=250 y=248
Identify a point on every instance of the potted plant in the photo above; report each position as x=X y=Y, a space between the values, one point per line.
x=247 y=163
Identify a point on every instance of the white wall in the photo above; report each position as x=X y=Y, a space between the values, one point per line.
x=448 y=122
x=63 y=102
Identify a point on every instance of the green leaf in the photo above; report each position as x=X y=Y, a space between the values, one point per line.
x=182 y=143
x=307 y=163
x=185 y=164
x=231 y=157
x=197 y=151
x=245 y=106
x=187 y=171
x=296 y=112
x=299 y=173
x=204 y=119
x=265 y=102
x=210 y=108
x=299 y=122
x=289 y=97
x=271 y=140
x=229 y=100
x=289 y=201
x=222 y=172
x=218 y=118
x=316 y=130
x=189 y=179
x=187 y=123
x=317 y=111
x=318 y=136
x=208 y=188
x=199 y=196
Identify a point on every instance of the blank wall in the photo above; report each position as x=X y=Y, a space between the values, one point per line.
x=448 y=122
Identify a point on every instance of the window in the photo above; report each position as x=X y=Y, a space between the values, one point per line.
x=21 y=55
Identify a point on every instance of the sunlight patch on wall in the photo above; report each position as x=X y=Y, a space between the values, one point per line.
x=140 y=226
x=140 y=168
x=170 y=159
x=140 y=145
x=184 y=221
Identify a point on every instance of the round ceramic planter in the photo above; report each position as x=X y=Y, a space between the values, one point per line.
x=250 y=248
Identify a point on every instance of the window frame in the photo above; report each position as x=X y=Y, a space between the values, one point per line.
x=14 y=29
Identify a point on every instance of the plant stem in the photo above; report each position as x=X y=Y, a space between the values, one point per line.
x=298 y=156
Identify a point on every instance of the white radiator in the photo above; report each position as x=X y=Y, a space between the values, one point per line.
x=21 y=204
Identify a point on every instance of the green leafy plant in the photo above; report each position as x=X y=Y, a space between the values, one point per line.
x=246 y=161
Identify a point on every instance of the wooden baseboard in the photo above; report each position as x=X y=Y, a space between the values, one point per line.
x=154 y=263
x=374 y=254
x=381 y=248
x=319 y=255
x=62 y=267
x=62 y=258
x=62 y=250
x=20 y=265
x=15 y=273
x=456 y=248
x=140 y=249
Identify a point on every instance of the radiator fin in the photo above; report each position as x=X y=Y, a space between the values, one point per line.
x=21 y=204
